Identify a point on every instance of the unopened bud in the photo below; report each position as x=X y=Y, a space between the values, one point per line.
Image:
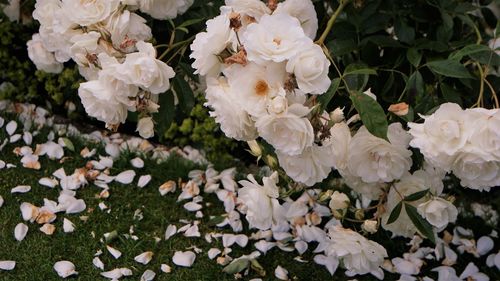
x=370 y=226
x=359 y=214
x=325 y=195
x=255 y=148
x=271 y=161
x=339 y=201
x=337 y=115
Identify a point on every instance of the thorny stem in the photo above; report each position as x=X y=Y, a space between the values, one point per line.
x=331 y=21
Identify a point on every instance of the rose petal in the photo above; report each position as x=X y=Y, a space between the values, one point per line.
x=484 y=245
x=148 y=275
x=213 y=252
x=7 y=265
x=98 y=263
x=144 y=180
x=11 y=127
x=68 y=226
x=144 y=258
x=281 y=273
x=171 y=230
x=21 y=189
x=125 y=177
x=20 y=231
x=48 y=182
x=185 y=259
x=65 y=268
x=165 y=268
x=114 y=252
x=137 y=163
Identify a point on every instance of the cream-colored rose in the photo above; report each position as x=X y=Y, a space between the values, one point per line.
x=145 y=127
x=88 y=12
x=310 y=67
x=161 y=9
x=304 y=11
x=438 y=212
x=43 y=59
x=339 y=201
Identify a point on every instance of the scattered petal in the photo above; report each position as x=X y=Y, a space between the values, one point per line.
x=281 y=273
x=65 y=268
x=144 y=258
x=171 y=230
x=137 y=163
x=167 y=187
x=165 y=268
x=11 y=127
x=213 y=252
x=148 y=275
x=68 y=226
x=484 y=245
x=7 y=265
x=114 y=252
x=144 y=180
x=20 y=231
x=48 y=229
x=48 y=182
x=185 y=259
x=192 y=207
x=21 y=189
x=125 y=177
x=98 y=263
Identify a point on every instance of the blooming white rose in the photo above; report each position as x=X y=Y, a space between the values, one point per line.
x=441 y=135
x=13 y=10
x=374 y=159
x=250 y=10
x=475 y=171
x=161 y=9
x=438 y=212
x=340 y=137
x=126 y=29
x=88 y=12
x=408 y=185
x=45 y=11
x=85 y=48
x=262 y=206
x=43 y=59
x=234 y=120
x=304 y=11
x=288 y=132
x=257 y=85
x=144 y=70
x=58 y=43
x=208 y=45
x=107 y=98
x=310 y=67
x=145 y=127
x=311 y=166
x=359 y=255
x=276 y=37
x=484 y=134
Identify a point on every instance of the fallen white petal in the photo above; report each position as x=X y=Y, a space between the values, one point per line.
x=144 y=180
x=29 y=211
x=68 y=226
x=28 y=138
x=48 y=182
x=281 y=273
x=15 y=138
x=484 y=245
x=148 y=275
x=21 y=189
x=11 y=127
x=48 y=229
x=192 y=231
x=137 y=163
x=20 y=231
x=2 y=122
x=213 y=252
x=192 y=207
x=125 y=177
x=2 y=164
x=1 y=201
x=167 y=187
x=65 y=268
x=185 y=259
x=301 y=246
x=114 y=252
x=171 y=230
x=7 y=265
x=114 y=274
x=165 y=268
x=98 y=263
x=144 y=258
x=241 y=240
x=77 y=206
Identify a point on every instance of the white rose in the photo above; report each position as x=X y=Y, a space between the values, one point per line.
x=107 y=98
x=43 y=59
x=408 y=185
x=145 y=127
x=475 y=171
x=250 y=10
x=58 y=43
x=310 y=67
x=371 y=191
x=339 y=201
x=276 y=37
x=13 y=10
x=304 y=11
x=438 y=212
x=144 y=70
x=340 y=137
x=85 y=47
x=288 y=132
x=441 y=135
x=262 y=207
x=207 y=46
x=311 y=166
x=161 y=9
x=234 y=120
x=359 y=255
x=257 y=85
x=45 y=11
x=374 y=159
x=88 y=12
x=484 y=132
x=126 y=29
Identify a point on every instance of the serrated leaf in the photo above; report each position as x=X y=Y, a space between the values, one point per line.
x=69 y=144
x=395 y=213
x=423 y=226
x=236 y=266
x=414 y=56
x=416 y=196
x=325 y=98
x=449 y=68
x=371 y=113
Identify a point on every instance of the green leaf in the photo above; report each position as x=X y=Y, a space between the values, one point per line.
x=184 y=93
x=236 y=266
x=415 y=84
x=216 y=220
x=340 y=47
x=166 y=113
x=416 y=196
x=450 y=94
x=404 y=32
x=371 y=113
x=414 y=56
x=468 y=50
x=368 y=71
x=449 y=68
x=423 y=226
x=356 y=76
x=190 y=22
x=69 y=144
x=325 y=98
x=395 y=213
